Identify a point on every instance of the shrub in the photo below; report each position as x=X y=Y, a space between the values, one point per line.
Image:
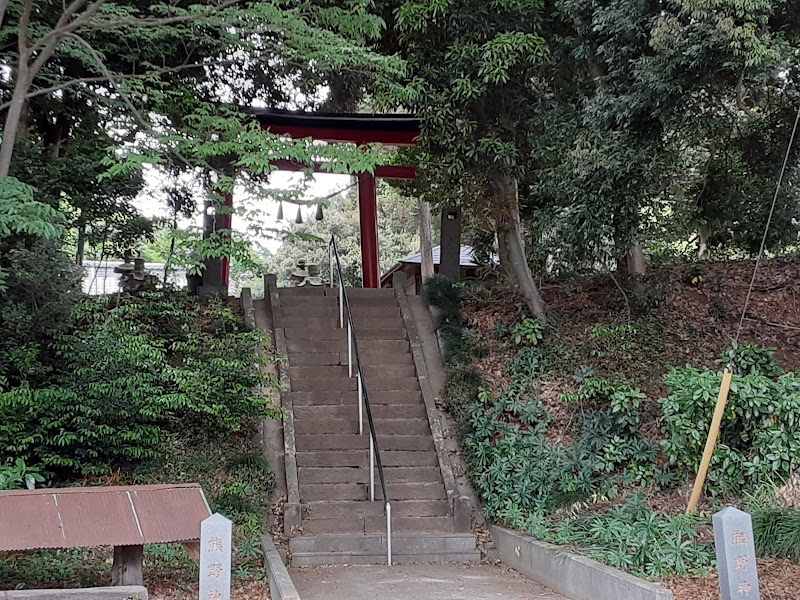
x=760 y=433
x=527 y=364
x=122 y=390
x=513 y=461
x=43 y=288
x=107 y=408
x=441 y=292
x=752 y=359
x=16 y=475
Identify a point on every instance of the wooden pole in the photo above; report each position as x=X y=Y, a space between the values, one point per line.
x=425 y=241
x=711 y=442
x=127 y=567
x=368 y=217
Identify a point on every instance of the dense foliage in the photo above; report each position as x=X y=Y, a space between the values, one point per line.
x=627 y=125
x=760 y=434
x=125 y=380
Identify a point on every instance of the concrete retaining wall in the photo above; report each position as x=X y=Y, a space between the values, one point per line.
x=281 y=586
x=129 y=592
x=572 y=575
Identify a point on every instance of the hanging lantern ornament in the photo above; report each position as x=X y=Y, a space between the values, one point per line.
x=280 y=211
x=299 y=217
x=319 y=215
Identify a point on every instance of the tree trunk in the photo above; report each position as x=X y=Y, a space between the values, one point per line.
x=425 y=240
x=505 y=201
x=14 y=117
x=636 y=262
x=704 y=234
x=502 y=251
x=81 y=244
x=168 y=261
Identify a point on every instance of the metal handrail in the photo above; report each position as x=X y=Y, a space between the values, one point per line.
x=363 y=397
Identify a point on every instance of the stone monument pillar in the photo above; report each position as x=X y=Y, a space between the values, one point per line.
x=450 y=252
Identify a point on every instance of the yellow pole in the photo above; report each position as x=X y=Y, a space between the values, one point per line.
x=713 y=433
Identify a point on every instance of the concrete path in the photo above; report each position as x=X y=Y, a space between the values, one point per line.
x=417 y=582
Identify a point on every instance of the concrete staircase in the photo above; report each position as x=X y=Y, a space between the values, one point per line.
x=329 y=513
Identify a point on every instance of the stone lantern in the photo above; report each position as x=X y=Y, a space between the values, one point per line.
x=306 y=274
x=135 y=277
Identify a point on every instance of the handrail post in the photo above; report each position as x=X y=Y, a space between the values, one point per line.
x=349 y=349
x=371 y=469
x=388 y=533
x=341 y=302
x=330 y=260
x=360 y=404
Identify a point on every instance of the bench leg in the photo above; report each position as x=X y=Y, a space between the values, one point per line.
x=127 y=567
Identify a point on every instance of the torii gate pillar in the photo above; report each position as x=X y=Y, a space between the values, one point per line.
x=368 y=215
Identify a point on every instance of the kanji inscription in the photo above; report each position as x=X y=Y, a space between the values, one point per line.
x=736 y=555
x=215 y=558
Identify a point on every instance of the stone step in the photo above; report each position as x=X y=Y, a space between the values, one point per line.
x=362 y=292
x=383 y=427
x=292 y=292
x=362 y=333
x=365 y=347
x=378 y=525
x=331 y=310
x=350 y=384
x=332 y=322
x=380 y=359
x=314 y=475
x=341 y=371
x=356 y=301
x=350 y=412
x=360 y=458
x=349 y=398
x=326 y=384
x=360 y=491
x=410 y=524
x=345 y=509
x=410 y=443
x=324 y=549
x=316 y=359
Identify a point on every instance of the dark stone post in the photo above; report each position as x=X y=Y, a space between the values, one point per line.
x=212 y=271
x=450 y=256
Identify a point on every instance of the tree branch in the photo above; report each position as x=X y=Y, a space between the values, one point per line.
x=134 y=111
x=62 y=28
x=68 y=13
x=104 y=78
x=160 y=22
x=22 y=34
x=3 y=7
x=50 y=41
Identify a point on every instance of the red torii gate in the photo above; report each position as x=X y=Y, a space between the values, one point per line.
x=390 y=130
